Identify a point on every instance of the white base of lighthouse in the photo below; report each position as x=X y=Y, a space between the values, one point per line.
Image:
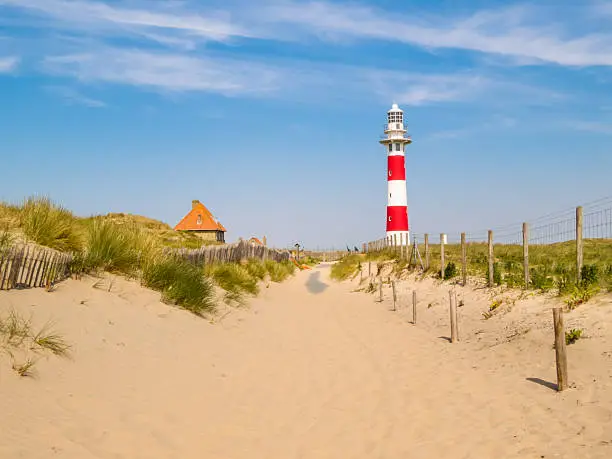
x=402 y=237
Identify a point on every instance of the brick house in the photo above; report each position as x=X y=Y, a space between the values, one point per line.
x=201 y=221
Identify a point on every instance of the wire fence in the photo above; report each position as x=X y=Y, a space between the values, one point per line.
x=588 y=226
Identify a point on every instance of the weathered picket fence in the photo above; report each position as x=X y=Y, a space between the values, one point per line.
x=25 y=266
x=236 y=252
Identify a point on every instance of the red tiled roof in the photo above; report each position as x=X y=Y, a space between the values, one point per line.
x=255 y=241
x=199 y=218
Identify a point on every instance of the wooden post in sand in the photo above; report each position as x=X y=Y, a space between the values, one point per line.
x=426 y=252
x=394 y=295
x=491 y=259
x=380 y=282
x=463 y=259
x=395 y=243
x=453 y=317
x=414 y=303
x=369 y=269
x=560 y=349
x=526 y=254
x=442 y=256
x=579 y=243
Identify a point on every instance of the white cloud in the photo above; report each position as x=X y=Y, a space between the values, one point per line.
x=166 y=72
x=72 y=96
x=161 y=21
x=8 y=64
x=507 y=32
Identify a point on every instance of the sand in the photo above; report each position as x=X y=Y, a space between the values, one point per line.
x=310 y=369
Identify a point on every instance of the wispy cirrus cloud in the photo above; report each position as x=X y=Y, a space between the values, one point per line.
x=166 y=71
x=161 y=21
x=73 y=97
x=8 y=64
x=510 y=32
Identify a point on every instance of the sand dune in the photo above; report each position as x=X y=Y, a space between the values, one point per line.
x=308 y=370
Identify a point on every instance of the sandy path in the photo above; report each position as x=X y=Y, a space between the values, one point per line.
x=310 y=370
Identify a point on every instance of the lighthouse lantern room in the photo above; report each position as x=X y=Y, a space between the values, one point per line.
x=397 y=200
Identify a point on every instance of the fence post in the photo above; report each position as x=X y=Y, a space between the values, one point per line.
x=442 y=256
x=395 y=243
x=526 y=253
x=560 y=354
x=579 y=243
x=453 y=316
x=463 y=259
x=426 y=252
x=394 y=294
x=491 y=259
x=380 y=282
x=414 y=305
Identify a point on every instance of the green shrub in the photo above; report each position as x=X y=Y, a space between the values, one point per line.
x=50 y=225
x=181 y=283
x=279 y=271
x=581 y=295
x=572 y=336
x=234 y=279
x=450 y=271
x=541 y=278
x=589 y=275
x=345 y=268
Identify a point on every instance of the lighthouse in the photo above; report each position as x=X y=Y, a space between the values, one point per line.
x=395 y=142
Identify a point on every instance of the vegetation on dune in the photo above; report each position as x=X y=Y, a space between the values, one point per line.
x=346 y=267
x=234 y=278
x=134 y=246
x=181 y=284
x=279 y=271
x=256 y=269
x=24 y=346
x=112 y=247
x=49 y=224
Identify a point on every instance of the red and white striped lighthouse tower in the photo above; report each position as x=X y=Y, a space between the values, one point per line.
x=397 y=200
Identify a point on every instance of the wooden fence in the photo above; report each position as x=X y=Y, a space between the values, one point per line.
x=26 y=266
x=236 y=252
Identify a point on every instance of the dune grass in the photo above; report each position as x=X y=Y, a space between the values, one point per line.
x=279 y=271
x=181 y=284
x=46 y=223
x=18 y=338
x=116 y=248
x=346 y=267
x=235 y=279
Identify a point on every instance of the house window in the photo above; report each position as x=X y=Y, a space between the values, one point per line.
x=199 y=219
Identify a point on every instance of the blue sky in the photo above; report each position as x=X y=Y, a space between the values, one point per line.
x=270 y=111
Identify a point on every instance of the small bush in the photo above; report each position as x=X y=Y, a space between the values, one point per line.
x=50 y=225
x=541 y=279
x=450 y=271
x=589 y=275
x=345 y=268
x=279 y=271
x=181 y=283
x=234 y=279
x=572 y=336
x=580 y=295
